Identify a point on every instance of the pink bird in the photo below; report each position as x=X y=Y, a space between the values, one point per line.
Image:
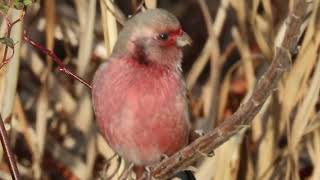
x=139 y=95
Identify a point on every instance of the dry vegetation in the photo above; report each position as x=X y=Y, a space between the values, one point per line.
x=50 y=121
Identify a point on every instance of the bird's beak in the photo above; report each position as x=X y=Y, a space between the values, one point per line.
x=183 y=40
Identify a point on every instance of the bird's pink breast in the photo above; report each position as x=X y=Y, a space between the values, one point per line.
x=140 y=110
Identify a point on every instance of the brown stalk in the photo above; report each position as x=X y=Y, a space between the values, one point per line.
x=117 y=13
x=216 y=63
x=249 y=109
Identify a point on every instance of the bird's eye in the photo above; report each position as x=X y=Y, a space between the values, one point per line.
x=163 y=36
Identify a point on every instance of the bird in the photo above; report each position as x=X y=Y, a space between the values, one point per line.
x=139 y=94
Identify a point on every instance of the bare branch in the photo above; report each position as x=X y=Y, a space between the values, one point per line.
x=56 y=59
x=249 y=109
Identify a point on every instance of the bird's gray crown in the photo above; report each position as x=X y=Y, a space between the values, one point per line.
x=156 y=20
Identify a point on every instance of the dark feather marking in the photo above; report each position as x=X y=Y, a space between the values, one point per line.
x=140 y=55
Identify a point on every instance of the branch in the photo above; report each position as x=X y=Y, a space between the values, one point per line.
x=48 y=52
x=7 y=150
x=248 y=110
x=56 y=59
x=10 y=24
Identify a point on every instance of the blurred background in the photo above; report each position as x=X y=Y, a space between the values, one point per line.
x=49 y=116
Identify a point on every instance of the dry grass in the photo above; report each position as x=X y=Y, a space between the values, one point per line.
x=52 y=130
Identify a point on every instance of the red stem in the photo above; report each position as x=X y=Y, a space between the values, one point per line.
x=5 y=60
x=56 y=59
x=3 y=133
x=7 y=150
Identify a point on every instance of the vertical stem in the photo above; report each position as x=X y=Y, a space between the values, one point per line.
x=7 y=150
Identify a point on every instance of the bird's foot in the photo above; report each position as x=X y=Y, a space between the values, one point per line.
x=164 y=157
x=200 y=132
x=196 y=134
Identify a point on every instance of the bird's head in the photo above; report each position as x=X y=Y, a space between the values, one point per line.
x=153 y=36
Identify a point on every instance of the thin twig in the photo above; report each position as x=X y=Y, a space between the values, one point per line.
x=6 y=60
x=248 y=110
x=7 y=150
x=56 y=59
x=10 y=24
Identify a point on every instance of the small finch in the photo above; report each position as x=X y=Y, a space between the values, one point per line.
x=139 y=96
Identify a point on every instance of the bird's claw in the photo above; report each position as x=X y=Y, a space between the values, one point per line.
x=164 y=157
x=199 y=132
x=196 y=134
